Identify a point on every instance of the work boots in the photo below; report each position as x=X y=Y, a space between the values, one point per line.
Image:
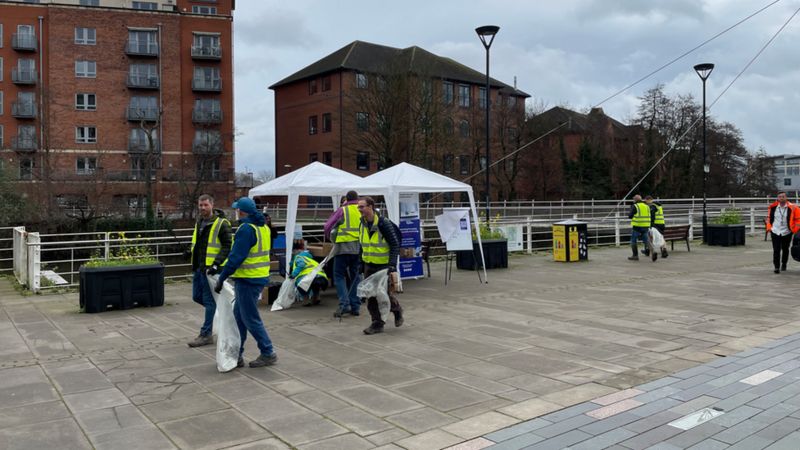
x=201 y=340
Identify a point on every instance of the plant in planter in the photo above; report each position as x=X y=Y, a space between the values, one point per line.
x=727 y=229
x=131 y=276
x=495 y=247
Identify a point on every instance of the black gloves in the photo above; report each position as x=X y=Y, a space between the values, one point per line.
x=218 y=286
x=187 y=253
x=213 y=270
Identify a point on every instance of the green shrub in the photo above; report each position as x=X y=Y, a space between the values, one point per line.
x=728 y=216
x=488 y=231
x=127 y=254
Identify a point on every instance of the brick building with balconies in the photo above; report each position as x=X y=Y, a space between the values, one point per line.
x=368 y=106
x=102 y=100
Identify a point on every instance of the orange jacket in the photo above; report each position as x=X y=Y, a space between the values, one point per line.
x=793 y=219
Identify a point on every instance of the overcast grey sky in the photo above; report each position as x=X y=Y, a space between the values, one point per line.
x=567 y=52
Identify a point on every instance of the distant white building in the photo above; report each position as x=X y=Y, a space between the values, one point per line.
x=787 y=173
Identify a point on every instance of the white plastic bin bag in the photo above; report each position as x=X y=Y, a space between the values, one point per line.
x=228 y=339
x=656 y=238
x=286 y=296
x=376 y=285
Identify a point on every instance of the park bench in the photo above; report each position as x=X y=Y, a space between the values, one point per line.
x=677 y=233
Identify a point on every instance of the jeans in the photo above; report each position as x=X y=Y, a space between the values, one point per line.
x=641 y=234
x=372 y=302
x=201 y=293
x=246 y=313
x=780 y=249
x=345 y=266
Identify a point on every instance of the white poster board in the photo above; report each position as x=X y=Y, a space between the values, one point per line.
x=514 y=235
x=454 y=229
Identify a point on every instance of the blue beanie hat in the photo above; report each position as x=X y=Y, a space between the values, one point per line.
x=246 y=205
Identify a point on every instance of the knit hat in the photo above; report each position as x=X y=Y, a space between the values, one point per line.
x=246 y=205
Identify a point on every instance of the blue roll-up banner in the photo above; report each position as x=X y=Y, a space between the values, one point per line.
x=411 y=245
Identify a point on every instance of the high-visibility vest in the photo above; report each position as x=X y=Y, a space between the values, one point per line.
x=256 y=265
x=642 y=217
x=659 y=215
x=374 y=249
x=214 y=245
x=310 y=264
x=348 y=229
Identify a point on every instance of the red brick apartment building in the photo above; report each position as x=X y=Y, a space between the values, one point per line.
x=367 y=106
x=101 y=100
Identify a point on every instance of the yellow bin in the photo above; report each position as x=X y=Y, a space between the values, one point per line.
x=569 y=241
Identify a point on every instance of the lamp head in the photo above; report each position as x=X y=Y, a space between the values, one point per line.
x=487 y=32
x=704 y=70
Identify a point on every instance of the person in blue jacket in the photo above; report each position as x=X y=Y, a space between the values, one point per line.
x=248 y=266
x=302 y=265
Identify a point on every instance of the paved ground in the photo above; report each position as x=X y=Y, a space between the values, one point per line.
x=626 y=347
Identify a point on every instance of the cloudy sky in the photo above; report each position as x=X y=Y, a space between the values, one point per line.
x=567 y=52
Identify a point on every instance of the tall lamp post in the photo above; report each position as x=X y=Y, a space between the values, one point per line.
x=704 y=70
x=487 y=34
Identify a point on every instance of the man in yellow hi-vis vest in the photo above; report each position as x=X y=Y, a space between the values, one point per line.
x=640 y=226
x=342 y=229
x=211 y=242
x=248 y=266
x=658 y=221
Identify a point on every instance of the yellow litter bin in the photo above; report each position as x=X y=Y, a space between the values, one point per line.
x=570 y=241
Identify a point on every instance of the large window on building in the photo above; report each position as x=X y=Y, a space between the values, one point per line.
x=312 y=86
x=326 y=83
x=85 y=101
x=26 y=166
x=143 y=108
x=206 y=45
x=463 y=163
x=90 y=3
x=787 y=181
x=463 y=128
x=482 y=97
x=197 y=9
x=85 y=69
x=85 y=165
x=152 y=6
x=447 y=92
x=327 y=123
x=362 y=121
x=312 y=125
x=327 y=158
x=86 y=134
x=207 y=78
x=208 y=168
x=447 y=163
x=143 y=42
x=361 y=80
x=463 y=95
x=362 y=161
x=313 y=157
x=85 y=36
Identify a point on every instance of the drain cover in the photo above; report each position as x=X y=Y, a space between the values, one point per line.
x=696 y=418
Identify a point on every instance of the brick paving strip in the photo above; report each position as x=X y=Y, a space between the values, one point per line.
x=606 y=353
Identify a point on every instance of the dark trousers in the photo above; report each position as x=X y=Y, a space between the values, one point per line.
x=372 y=302
x=780 y=249
x=245 y=311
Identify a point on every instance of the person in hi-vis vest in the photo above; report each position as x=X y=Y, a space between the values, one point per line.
x=248 y=266
x=640 y=226
x=657 y=221
x=342 y=229
x=211 y=242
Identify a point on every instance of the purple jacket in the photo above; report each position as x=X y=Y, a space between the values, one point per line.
x=336 y=218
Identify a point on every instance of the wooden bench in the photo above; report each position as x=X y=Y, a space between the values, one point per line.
x=677 y=233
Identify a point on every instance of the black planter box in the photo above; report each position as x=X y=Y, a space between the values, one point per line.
x=495 y=252
x=726 y=235
x=123 y=287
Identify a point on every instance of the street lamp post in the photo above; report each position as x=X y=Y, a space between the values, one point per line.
x=487 y=33
x=703 y=71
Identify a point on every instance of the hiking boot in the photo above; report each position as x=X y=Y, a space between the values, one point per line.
x=646 y=252
x=398 y=319
x=264 y=360
x=655 y=256
x=633 y=258
x=240 y=362
x=777 y=270
x=340 y=312
x=354 y=313
x=201 y=340
x=783 y=267
x=664 y=253
x=375 y=328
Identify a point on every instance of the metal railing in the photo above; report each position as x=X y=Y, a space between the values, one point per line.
x=204 y=147
x=24 y=143
x=204 y=84
x=23 y=110
x=206 y=117
x=143 y=81
x=206 y=52
x=141 y=48
x=138 y=146
x=23 y=76
x=24 y=41
x=138 y=114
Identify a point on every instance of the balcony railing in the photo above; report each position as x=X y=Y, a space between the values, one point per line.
x=24 y=143
x=143 y=82
x=23 y=110
x=206 y=117
x=139 y=48
x=203 y=84
x=23 y=76
x=138 y=114
x=206 y=147
x=24 y=42
x=209 y=175
x=141 y=146
x=130 y=175
x=206 y=52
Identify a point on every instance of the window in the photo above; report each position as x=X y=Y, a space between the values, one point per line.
x=144 y=75
x=206 y=45
x=327 y=123
x=361 y=80
x=144 y=108
x=85 y=36
x=208 y=168
x=327 y=158
x=448 y=126
x=26 y=104
x=86 y=135
x=447 y=163
x=511 y=101
x=138 y=142
x=463 y=162
x=1 y=105
x=787 y=181
x=152 y=6
x=312 y=125
x=463 y=128
x=362 y=161
x=482 y=97
x=196 y=9
x=463 y=95
x=207 y=78
x=1 y=35
x=362 y=121
x=208 y=141
x=143 y=42
x=26 y=70
x=483 y=167
x=313 y=157
x=1 y=140
x=85 y=101
x=90 y=3
x=1 y=58
x=312 y=87
x=326 y=83
x=205 y=109
x=447 y=92
x=85 y=69
x=26 y=169
x=511 y=134
x=792 y=170
x=85 y=165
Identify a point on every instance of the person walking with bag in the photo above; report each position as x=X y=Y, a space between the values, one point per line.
x=640 y=226
x=783 y=220
x=342 y=229
x=248 y=266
